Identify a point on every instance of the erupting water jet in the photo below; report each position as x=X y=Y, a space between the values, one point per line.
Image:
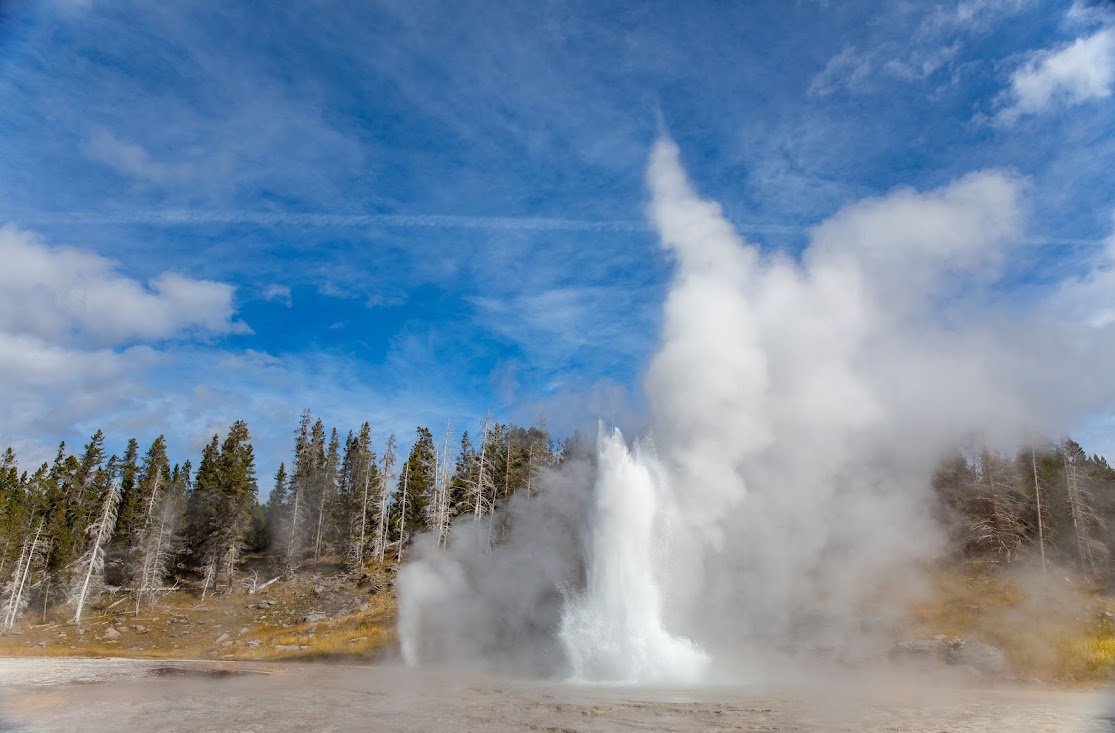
x=614 y=631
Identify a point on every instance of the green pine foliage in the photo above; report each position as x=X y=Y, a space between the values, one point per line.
x=335 y=501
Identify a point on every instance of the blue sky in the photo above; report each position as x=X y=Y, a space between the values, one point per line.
x=409 y=212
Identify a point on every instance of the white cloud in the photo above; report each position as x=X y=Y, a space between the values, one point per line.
x=70 y=296
x=862 y=72
x=981 y=13
x=126 y=158
x=250 y=359
x=848 y=69
x=553 y=324
x=33 y=363
x=280 y=293
x=1081 y=71
x=1090 y=298
x=79 y=340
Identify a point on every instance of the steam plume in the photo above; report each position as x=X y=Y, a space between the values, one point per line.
x=799 y=409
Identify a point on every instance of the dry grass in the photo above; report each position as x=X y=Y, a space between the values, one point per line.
x=360 y=624
x=1048 y=626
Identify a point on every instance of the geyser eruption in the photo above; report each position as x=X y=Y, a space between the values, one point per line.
x=800 y=406
x=614 y=630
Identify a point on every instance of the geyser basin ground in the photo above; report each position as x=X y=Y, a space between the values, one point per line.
x=53 y=694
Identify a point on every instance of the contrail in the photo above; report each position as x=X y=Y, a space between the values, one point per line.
x=328 y=220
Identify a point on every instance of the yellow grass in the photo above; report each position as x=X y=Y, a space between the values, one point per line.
x=366 y=634
x=1048 y=627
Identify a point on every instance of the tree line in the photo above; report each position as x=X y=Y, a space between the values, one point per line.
x=138 y=524
x=141 y=525
x=1051 y=504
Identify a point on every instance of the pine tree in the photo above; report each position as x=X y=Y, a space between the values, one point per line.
x=130 y=499
x=156 y=516
x=356 y=507
x=415 y=488
x=202 y=503
x=15 y=509
x=233 y=504
x=277 y=505
x=326 y=492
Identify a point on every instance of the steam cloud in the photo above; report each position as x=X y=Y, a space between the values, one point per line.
x=799 y=409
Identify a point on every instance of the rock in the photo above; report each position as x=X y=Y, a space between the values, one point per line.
x=314 y=617
x=253 y=643
x=242 y=631
x=222 y=637
x=111 y=633
x=287 y=647
x=81 y=630
x=984 y=657
x=319 y=589
x=934 y=648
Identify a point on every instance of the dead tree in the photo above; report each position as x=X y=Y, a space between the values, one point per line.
x=92 y=564
x=403 y=513
x=442 y=476
x=292 y=556
x=484 y=487
x=1037 y=499
x=997 y=520
x=1085 y=521
x=15 y=601
x=362 y=542
x=155 y=553
x=386 y=474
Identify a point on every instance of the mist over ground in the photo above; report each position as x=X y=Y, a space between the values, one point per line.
x=800 y=406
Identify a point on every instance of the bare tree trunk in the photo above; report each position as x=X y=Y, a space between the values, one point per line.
x=385 y=476
x=19 y=580
x=482 y=481
x=292 y=553
x=364 y=507
x=403 y=513
x=530 y=465
x=441 y=502
x=1079 y=520
x=320 y=522
x=1037 y=495
x=102 y=531
x=210 y=576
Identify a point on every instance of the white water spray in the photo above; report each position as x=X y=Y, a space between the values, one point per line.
x=614 y=631
x=801 y=405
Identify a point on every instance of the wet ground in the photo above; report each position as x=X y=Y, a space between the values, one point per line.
x=58 y=694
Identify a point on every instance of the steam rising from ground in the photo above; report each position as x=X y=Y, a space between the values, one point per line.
x=799 y=409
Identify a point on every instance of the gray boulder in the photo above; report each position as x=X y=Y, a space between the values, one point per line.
x=979 y=655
